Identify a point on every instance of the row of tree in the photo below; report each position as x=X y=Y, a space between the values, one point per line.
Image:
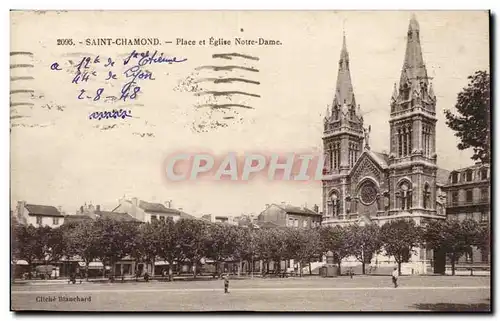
x=190 y=241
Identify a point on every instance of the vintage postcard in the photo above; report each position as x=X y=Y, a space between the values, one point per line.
x=250 y=161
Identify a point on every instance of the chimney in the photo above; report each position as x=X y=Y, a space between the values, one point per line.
x=316 y=208
x=267 y=206
x=98 y=208
x=134 y=201
x=81 y=209
x=21 y=208
x=168 y=204
x=59 y=209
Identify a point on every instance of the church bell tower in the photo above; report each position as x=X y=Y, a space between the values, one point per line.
x=343 y=123
x=412 y=158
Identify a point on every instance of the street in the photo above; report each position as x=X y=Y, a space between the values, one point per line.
x=362 y=293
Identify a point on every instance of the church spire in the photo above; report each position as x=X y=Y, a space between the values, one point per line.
x=344 y=92
x=413 y=65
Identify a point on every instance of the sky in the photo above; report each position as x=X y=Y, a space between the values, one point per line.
x=62 y=158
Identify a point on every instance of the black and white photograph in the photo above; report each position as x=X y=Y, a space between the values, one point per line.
x=250 y=161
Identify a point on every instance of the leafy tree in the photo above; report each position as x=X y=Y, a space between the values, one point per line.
x=82 y=239
x=335 y=239
x=482 y=240
x=483 y=237
x=221 y=243
x=29 y=245
x=472 y=125
x=399 y=237
x=273 y=246
x=364 y=241
x=52 y=243
x=169 y=246
x=192 y=240
x=264 y=246
x=246 y=247
x=115 y=240
x=452 y=236
x=304 y=245
x=145 y=243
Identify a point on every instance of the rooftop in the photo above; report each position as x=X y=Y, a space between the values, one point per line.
x=43 y=210
x=297 y=210
x=121 y=217
x=157 y=208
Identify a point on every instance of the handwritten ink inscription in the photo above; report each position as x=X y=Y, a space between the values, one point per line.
x=134 y=72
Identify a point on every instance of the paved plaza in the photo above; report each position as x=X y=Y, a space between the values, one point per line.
x=362 y=293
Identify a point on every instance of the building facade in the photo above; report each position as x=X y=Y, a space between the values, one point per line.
x=39 y=215
x=468 y=197
x=369 y=187
x=149 y=212
x=288 y=215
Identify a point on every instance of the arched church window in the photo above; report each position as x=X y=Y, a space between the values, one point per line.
x=368 y=192
x=427 y=196
x=410 y=145
x=406 y=93
x=336 y=113
x=400 y=142
x=405 y=192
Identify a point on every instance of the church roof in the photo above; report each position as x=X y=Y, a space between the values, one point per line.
x=442 y=176
x=381 y=158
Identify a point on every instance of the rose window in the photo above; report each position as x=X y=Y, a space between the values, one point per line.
x=368 y=193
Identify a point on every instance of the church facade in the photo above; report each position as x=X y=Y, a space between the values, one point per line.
x=368 y=187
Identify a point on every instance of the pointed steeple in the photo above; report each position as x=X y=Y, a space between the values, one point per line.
x=413 y=65
x=394 y=93
x=344 y=91
x=431 y=91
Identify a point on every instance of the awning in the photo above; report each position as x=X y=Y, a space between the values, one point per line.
x=21 y=262
x=93 y=265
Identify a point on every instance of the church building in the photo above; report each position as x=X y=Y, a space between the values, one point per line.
x=364 y=186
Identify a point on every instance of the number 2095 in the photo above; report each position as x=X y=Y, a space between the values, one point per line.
x=65 y=42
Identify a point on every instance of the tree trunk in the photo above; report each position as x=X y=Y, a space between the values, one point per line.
x=399 y=268
x=112 y=274
x=453 y=265
x=239 y=268
x=152 y=268
x=340 y=271
x=363 y=268
x=103 y=268
x=217 y=272
x=30 y=269
x=194 y=270
x=87 y=270
x=310 y=270
x=300 y=269
x=170 y=271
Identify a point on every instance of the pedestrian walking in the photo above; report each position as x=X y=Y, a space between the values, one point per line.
x=225 y=277
x=395 y=275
